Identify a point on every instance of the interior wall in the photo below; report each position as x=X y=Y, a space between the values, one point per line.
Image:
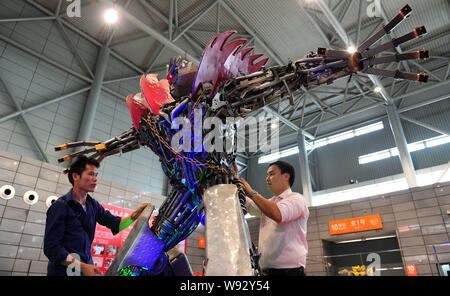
x=33 y=81
x=418 y=217
x=335 y=164
x=22 y=226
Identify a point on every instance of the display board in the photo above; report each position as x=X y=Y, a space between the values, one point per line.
x=106 y=245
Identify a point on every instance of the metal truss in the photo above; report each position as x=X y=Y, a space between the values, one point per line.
x=309 y=110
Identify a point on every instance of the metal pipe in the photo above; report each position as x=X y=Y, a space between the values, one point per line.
x=425 y=125
x=400 y=141
x=149 y=30
x=83 y=34
x=195 y=19
x=28 y=19
x=25 y=121
x=270 y=52
x=38 y=106
x=305 y=175
x=90 y=108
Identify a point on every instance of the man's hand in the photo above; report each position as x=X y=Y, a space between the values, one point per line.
x=139 y=211
x=90 y=270
x=247 y=188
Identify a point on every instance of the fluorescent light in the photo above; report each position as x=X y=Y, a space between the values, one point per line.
x=365 y=239
x=394 y=151
x=320 y=143
x=290 y=151
x=437 y=141
x=269 y=158
x=340 y=137
x=416 y=146
x=369 y=128
x=111 y=16
x=380 y=237
x=323 y=142
x=374 y=156
x=349 y=241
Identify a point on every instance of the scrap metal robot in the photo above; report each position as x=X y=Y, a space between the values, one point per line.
x=227 y=83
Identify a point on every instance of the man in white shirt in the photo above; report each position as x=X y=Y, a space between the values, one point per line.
x=282 y=231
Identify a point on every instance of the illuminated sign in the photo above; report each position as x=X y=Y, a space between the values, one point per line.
x=411 y=270
x=355 y=224
x=201 y=242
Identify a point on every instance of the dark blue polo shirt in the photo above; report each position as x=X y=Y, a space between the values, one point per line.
x=64 y=233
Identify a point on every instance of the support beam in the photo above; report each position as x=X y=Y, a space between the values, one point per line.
x=83 y=34
x=286 y=121
x=27 y=125
x=90 y=108
x=400 y=141
x=54 y=63
x=153 y=32
x=425 y=125
x=334 y=22
x=269 y=51
x=28 y=19
x=195 y=19
x=46 y=103
x=304 y=168
x=78 y=57
x=447 y=72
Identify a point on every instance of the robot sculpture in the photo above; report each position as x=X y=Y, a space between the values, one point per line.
x=227 y=83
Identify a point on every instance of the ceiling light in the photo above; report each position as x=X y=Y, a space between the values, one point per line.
x=351 y=49
x=377 y=89
x=111 y=16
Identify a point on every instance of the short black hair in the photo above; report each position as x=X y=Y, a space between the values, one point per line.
x=79 y=165
x=285 y=168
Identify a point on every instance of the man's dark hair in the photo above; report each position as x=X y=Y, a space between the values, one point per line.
x=285 y=168
x=79 y=165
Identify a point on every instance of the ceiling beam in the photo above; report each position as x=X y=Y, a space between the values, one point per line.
x=26 y=123
x=86 y=36
x=247 y=28
x=153 y=32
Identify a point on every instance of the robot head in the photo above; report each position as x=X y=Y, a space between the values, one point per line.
x=181 y=76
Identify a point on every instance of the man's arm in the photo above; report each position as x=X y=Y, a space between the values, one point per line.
x=128 y=220
x=86 y=269
x=116 y=223
x=268 y=208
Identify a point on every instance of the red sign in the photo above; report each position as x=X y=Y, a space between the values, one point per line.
x=411 y=270
x=201 y=242
x=106 y=245
x=355 y=224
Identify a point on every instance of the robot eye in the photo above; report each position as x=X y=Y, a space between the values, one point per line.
x=7 y=192
x=31 y=197
x=50 y=200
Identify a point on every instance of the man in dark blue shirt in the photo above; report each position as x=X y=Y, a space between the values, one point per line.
x=71 y=222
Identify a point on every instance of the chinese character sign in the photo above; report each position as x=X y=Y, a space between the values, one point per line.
x=355 y=224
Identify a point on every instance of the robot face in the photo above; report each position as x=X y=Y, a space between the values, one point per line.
x=181 y=76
